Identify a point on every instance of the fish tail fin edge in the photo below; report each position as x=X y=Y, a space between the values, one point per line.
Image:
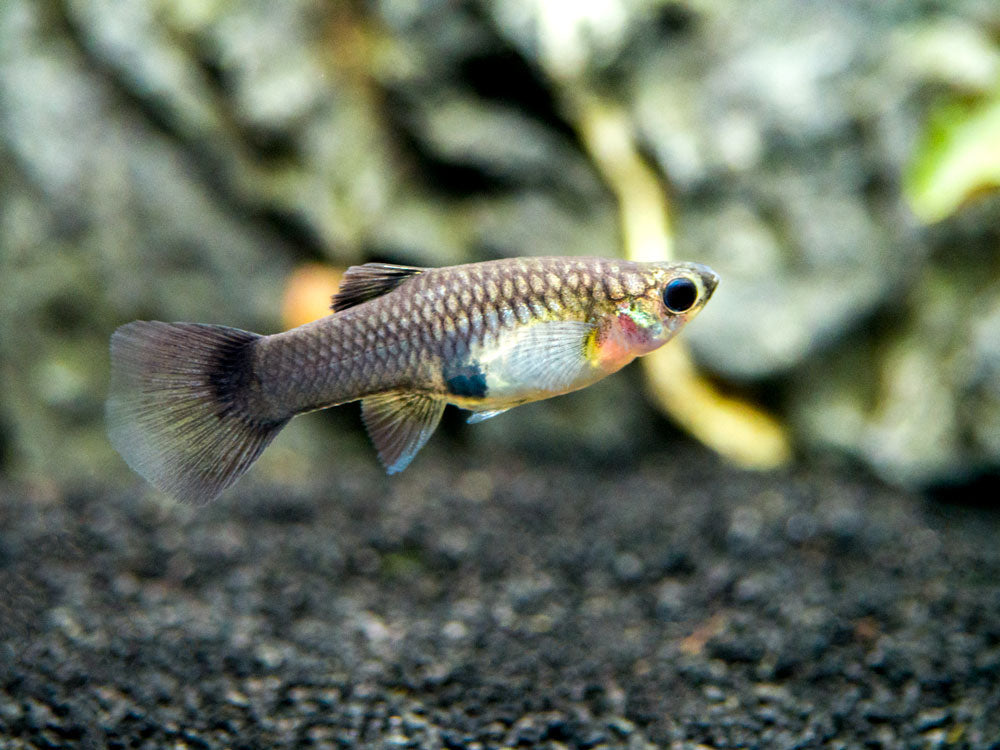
x=179 y=406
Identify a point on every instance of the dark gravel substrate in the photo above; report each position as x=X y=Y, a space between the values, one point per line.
x=503 y=604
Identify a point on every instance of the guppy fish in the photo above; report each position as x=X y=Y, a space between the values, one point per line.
x=192 y=406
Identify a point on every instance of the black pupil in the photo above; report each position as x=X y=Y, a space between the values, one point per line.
x=680 y=295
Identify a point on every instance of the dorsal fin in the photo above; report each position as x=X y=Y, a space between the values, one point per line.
x=365 y=282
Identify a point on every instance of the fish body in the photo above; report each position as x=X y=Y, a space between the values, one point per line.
x=192 y=406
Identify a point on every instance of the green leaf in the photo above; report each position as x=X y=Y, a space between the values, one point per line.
x=959 y=156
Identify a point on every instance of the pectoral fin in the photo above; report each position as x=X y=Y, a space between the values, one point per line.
x=399 y=423
x=550 y=356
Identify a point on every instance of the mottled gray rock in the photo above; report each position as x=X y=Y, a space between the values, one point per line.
x=784 y=129
x=921 y=401
x=103 y=219
x=174 y=160
x=771 y=143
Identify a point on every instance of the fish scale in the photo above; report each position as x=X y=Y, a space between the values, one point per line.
x=191 y=406
x=503 y=294
x=434 y=334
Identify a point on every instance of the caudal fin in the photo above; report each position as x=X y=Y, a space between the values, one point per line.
x=178 y=409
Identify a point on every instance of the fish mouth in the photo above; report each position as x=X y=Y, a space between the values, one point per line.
x=709 y=278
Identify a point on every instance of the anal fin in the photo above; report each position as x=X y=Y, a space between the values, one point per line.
x=399 y=423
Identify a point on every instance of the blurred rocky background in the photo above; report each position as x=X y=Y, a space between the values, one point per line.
x=833 y=161
x=578 y=573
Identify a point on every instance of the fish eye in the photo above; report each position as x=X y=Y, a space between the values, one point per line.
x=680 y=295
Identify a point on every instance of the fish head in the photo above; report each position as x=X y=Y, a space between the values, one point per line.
x=680 y=292
x=639 y=323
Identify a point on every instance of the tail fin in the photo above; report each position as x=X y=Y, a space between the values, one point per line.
x=178 y=409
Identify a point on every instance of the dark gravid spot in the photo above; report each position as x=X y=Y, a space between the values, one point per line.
x=466 y=379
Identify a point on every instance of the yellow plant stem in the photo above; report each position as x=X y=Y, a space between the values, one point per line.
x=735 y=429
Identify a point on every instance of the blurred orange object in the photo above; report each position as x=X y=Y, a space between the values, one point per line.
x=308 y=292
